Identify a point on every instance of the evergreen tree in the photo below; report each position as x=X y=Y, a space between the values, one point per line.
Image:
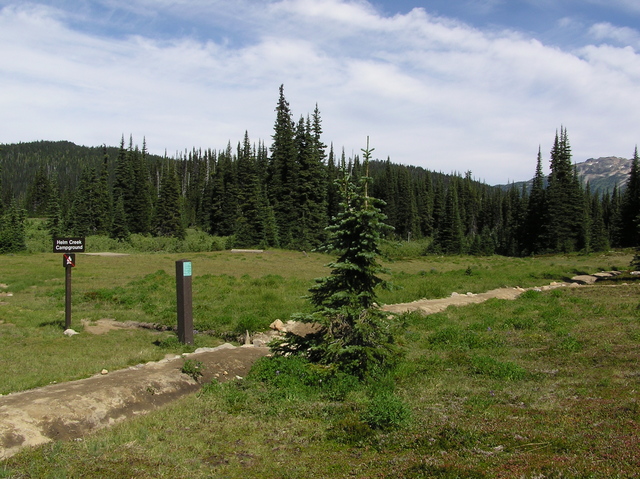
x=565 y=200
x=124 y=181
x=354 y=333
x=536 y=211
x=55 y=221
x=630 y=205
x=614 y=218
x=283 y=172
x=119 y=228
x=599 y=236
x=102 y=198
x=451 y=237
x=39 y=193
x=250 y=223
x=12 y=230
x=82 y=216
x=224 y=200
x=168 y=221
x=140 y=207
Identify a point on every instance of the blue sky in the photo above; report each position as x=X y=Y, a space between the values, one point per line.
x=453 y=86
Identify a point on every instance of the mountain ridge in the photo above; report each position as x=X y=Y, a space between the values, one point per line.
x=602 y=174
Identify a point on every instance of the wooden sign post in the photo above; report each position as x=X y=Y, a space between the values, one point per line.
x=185 y=308
x=68 y=261
x=68 y=247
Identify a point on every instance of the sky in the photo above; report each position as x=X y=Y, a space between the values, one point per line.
x=449 y=85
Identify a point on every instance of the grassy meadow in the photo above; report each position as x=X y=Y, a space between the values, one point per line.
x=543 y=386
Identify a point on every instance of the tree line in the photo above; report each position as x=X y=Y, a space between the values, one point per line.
x=285 y=196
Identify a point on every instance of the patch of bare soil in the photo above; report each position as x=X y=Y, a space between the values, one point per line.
x=71 y=410
x=431 y=306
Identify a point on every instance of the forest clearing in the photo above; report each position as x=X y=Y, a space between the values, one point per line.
x=544 y=384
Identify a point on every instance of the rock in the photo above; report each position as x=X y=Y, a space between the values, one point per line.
x=603 y=275
x=104 y=372
x=584 y=279
x=454 y=294
x=277 y=325
x=70 y=332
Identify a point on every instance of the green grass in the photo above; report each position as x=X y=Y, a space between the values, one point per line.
x=543 y=386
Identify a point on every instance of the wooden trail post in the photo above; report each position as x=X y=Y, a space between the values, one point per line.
x=68 y=261
x=185 y=308
x=68 y=247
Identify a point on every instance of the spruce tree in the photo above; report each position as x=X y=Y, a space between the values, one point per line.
x=12 y=230
x=283 y=172
x=124 y=184
x=250 y=222
x=82 y=216
x=630 y=205
x=451 y=236
x=565 y=200
x=353 y=333
x=599 y=236
x=119 y=227
x=103 y=206
x=55 y=223
x=140 y=209
x=536 y=211
x=168 y=221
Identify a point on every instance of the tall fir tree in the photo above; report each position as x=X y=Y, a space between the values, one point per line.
x=536 y=211
x=103 y=203
x=140 y=209
x=630 y=205
x=451 y=236
x=168 y=220
x=124 y=182
x=12 y=229
x=283 y=172
x=354 y=334
x=565 y=201
x=250 y=223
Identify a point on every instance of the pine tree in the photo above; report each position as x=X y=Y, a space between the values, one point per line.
x=102 y=198
x=599 y=237
x=283 y=172
x=119 y=228
x=55 y=221
x=124 y=183
x=168 y=221
x=82 y=216
x=250 y=222
x=140 y=207
x=536 y=211
x=630 y=205
x=224 y=200
x=565 y=200
x=39 y=193
x=354 y=333
x=451 y=236
x=12 y=229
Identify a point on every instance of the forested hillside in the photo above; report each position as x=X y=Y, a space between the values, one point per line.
x=284 y=195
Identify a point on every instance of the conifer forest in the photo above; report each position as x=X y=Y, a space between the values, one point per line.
x=284 y=195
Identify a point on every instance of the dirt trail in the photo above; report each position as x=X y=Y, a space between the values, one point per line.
x=431 y=306
x=71 y=410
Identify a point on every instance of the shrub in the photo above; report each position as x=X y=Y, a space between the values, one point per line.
x=386 y=411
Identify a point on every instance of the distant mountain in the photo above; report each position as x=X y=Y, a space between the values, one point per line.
x=602 y=174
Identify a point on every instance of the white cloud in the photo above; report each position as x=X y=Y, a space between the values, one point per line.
x=429 y=91
x=622 y=35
